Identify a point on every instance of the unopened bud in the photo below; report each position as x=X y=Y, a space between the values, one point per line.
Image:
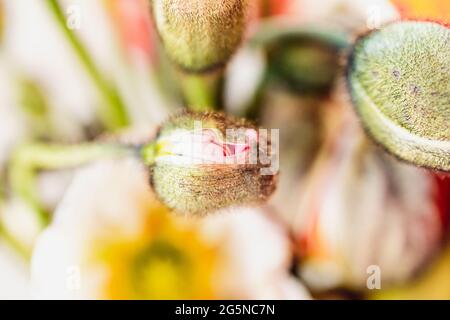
x=204 y=162
x=199 y=35
x=304 y=60
x=399 y=79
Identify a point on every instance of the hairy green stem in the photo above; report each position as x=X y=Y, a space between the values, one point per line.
x=13 y=243
x=253 y=108
x=31 y=158
x=114 y=113
x=203 y=91
x=148 y=153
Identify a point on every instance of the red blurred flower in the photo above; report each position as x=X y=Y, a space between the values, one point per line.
x=271 y=8
x=132 y=18
x=443 y=199
x=280 y=7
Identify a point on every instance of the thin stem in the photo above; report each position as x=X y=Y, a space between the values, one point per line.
x=148 y=153
x=31 y=158
x=253 y=108
x=203 y=92
x=35 y=107
x=13 y=243
x=114 y=115
x=5 y=235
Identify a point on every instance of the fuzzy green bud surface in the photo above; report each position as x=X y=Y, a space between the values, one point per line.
x=399 y=78
x=305 y=60
x=200 y=35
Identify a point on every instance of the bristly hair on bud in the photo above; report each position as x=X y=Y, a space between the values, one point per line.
x=399 y=79
x=199 y=167
x=200 y=35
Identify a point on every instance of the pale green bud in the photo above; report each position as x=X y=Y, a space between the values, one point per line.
x=199 y=35
x=399 y=78
x=305 y=60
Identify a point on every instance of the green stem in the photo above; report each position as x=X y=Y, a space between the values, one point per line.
x=203 y=92
x=5 y=235
x=148 y=153
x=253 y=108
x=31 y=158
x=34 y=106
x=114 y=115
x=13 y=243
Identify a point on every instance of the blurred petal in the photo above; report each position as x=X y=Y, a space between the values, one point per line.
x=13 y=275
x=433 y=284
x=112 y=239
x=348 y=15
x=258 y=254
x=365 y=209
x=438 y=10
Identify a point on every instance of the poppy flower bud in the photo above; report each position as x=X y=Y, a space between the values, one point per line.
x=200 y=35
x=399 y=81
x=303 y=60
x=204 y=162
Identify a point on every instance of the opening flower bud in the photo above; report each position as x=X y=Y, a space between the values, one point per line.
x=200 y=35
x=399 y=78
x=204 y=162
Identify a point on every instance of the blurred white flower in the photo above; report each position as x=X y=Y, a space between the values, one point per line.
x=348 y=15
x=33 y=46
x=20 y=221
x=258 y=255
x=244 y=73
x=112 y=239
x=14 y=277
x=363 y=208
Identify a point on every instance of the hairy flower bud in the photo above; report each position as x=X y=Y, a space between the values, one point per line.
x=304 y=60
x=204 y=162
x=399 y=79
x=199 y=35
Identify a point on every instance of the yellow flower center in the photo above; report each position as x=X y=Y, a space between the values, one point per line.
x=167 y=261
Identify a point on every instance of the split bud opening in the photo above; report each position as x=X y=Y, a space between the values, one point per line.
x=207 y=161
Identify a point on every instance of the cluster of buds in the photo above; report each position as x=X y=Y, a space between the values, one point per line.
x=201 y=162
